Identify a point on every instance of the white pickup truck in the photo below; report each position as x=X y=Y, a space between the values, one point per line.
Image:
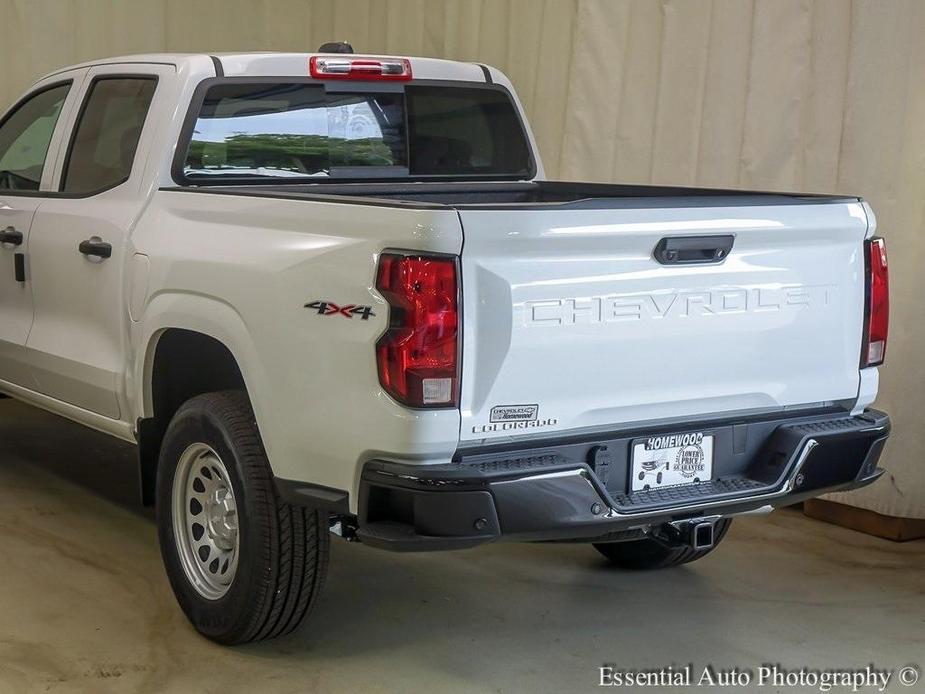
x=332 y=293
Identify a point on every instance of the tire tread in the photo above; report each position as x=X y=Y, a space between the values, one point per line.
x=297 y=547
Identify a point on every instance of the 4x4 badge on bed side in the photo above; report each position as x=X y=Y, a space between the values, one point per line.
x=329 y=308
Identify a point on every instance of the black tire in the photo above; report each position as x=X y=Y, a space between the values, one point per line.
x=645 y=555
x=282 y=555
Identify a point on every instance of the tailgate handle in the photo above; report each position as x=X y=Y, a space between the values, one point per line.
x=690 y=250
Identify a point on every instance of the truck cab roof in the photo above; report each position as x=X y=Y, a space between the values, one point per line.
x=278 y=64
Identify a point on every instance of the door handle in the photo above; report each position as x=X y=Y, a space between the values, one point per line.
x=11 y=236
x=692 y=250
x=95 y=247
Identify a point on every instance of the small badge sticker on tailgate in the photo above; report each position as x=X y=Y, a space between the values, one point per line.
x=514 y=413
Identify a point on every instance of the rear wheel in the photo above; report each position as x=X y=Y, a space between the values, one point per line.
x=243 y=564
x=642 y=555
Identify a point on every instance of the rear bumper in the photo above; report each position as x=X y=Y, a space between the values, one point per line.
x=578 y=490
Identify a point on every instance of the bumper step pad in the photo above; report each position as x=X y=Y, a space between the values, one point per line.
x=667 y=496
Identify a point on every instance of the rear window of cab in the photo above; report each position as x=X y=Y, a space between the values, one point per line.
x=300 y=132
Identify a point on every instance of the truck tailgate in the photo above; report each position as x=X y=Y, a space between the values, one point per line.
x=570 y=322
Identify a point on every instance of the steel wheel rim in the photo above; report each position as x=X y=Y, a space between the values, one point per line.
x=205 y=521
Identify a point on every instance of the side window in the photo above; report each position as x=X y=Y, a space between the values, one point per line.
x=25 y=136
x=106 y=135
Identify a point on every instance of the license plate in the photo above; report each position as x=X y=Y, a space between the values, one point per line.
x=671 y=460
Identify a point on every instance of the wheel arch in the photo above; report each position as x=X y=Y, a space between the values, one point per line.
x=199 y=345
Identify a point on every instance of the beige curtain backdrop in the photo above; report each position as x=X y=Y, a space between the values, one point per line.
x=824 y=95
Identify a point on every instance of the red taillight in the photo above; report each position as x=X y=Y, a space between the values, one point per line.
x=878 y=304
x=418 y=355
x=340 y=68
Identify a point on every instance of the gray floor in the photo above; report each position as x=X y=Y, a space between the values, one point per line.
x=84 y=605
